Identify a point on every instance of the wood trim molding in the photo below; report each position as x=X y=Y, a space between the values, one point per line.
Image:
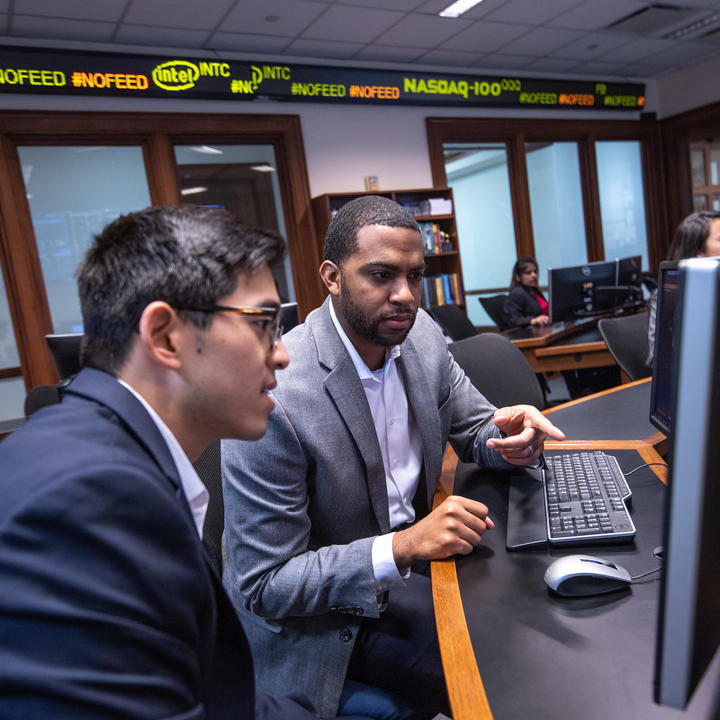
x=156 y=133
x=462 y=677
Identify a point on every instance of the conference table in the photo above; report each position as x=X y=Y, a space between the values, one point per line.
x=511 y=648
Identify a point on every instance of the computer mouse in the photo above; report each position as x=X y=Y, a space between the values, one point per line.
x=582 y=575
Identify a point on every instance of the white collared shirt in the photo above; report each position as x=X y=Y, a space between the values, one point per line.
x=400 y=446
x=195 y=492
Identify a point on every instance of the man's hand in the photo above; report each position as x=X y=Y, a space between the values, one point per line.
x=454 y=527
x=526 y=429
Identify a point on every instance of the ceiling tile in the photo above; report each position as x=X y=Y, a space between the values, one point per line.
x=503 y=62
x=56 y=28
x=102 y=10
x=486 y=36
x=341 y=23
x=637 y=49
x=595 y=15
x=178 y=13
x=684 y=54
x=592 y=45
x=3 y=23
x=598 y=68
x=272 y=17
x=4 y=5
x=241 y=42
x=456 y=58
x=389 y=53
x=531 y=12
x=553 y=65
x=323 y=48
x=398 y=5
x=645 y=70
x=169 y=37
x=542 y=41
x=423 y=31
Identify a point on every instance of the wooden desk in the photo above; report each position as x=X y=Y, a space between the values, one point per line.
x=562 y=346
x=619 y=413
x=534 y=649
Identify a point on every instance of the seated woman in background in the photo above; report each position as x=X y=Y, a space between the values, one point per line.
x=698 y=235
x=525 y=304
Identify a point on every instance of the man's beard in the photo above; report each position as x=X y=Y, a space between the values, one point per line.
x=365 y=326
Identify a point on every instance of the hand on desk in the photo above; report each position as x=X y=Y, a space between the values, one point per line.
x=540 y=321
x=526 y=429
x=454 y=527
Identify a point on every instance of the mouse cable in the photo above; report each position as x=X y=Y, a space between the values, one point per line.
x=644 y=465
x=642 y=575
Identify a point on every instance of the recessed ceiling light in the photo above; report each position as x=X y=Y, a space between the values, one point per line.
x=207 y=150
x=263 y=168
x=193 y=190
x=458 y=8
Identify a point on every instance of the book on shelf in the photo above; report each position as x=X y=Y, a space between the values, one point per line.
x=442 y=289
x=435 y=239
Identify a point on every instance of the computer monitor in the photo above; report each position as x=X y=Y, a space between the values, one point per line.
x=629 y=271
x=572 y=292
x=65 y=351
x=661 y=391
x=289 y=317
x=689 y=614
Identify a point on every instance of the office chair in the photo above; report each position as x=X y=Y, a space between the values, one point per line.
x=43 y=395
x=627 y=340
x=453 y=321
x=209 y=470
x=494 y=306
x=498 y=370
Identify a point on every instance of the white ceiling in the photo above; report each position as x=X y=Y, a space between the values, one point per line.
x=580 y=38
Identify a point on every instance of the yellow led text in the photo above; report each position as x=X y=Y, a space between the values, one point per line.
x=23 y=76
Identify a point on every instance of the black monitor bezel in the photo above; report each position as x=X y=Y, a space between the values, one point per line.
x=553 y=272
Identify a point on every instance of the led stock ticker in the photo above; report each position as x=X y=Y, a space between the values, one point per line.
x=55 y=72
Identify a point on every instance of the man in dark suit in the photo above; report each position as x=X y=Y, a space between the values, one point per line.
x=110 y=604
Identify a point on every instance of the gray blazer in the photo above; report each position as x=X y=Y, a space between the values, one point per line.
x=304 y=504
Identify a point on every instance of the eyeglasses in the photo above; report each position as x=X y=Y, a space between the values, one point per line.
x=270 y=316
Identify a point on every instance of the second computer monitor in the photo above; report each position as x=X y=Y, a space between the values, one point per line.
x=629 y=271
x=573 y=291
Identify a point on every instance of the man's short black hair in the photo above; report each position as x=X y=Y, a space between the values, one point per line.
x=187 y=256
x=341 y=237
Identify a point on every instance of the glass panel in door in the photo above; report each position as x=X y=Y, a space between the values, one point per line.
x=243 y=179
x=73 y=192
x=556 y=205
x=12 y=385
x=622 y=200
x=478 y=175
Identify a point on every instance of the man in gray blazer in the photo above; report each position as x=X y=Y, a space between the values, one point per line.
x=327 y=514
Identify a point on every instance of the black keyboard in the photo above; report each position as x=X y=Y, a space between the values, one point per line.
x=580 y=497
x=585 y=499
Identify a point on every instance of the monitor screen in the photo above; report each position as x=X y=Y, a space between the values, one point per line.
x=573 y=291
x=289 y=317
x=689 y=613
x=661 y=392
x=629 y=271
x=65 y=351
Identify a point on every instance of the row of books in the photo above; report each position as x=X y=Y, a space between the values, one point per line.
x=443 y=289
x=431 y=206
x=434 y=238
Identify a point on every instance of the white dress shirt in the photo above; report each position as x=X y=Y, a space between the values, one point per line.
x=195 y=492
x=400 y=446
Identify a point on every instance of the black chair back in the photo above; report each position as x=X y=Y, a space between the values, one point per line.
x=494 y=306
x=627 y=340
x=453 y=321
x=498 y=370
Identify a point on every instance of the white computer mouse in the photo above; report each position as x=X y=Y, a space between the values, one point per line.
x=581 y=575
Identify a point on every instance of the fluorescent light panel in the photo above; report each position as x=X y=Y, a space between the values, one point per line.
x=458 y=8
x=193 y=190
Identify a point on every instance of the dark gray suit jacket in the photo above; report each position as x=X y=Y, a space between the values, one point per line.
x=304 y=504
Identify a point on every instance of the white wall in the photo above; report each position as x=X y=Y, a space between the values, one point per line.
x=688 y=89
